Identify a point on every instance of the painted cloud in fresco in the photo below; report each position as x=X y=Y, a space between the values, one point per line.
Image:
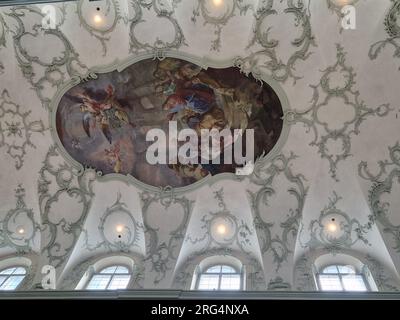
x=103 y=123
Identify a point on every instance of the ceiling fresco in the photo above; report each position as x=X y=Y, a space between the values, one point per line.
x=80 y=94
x=103 y=123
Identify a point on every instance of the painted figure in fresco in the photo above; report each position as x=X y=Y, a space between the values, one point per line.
x=234 y=102
x=114 y=157
x=176 y=90
x=189 y=170
x=107 y=114
x=174 y=76
x=192 y=103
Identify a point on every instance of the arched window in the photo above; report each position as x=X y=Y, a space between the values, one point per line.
x=220 y=277
x=341 y=278
x=11 y=278
x=110 y=278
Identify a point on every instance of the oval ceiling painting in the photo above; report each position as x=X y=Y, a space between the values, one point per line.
x=121 y=122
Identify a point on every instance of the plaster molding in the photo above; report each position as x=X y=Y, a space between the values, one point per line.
x=263 y=177
x=274 y=65
x=20 y=217
x=16 y=129
x=218 y=22
x=60 y=234
x=163 y=252
x=392 y=29
x=382 y=183
x=39 y=72
x=130 y=236
x=323 y=94
x=350 y=230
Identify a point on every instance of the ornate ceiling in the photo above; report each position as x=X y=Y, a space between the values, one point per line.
x=337 y=157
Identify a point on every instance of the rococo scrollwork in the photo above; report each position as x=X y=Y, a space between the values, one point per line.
x=126 y=238
x=349 y=230
x=111 y=9
x=16 y=129
x=235 y=232
x=162 y=248
x=61 y=183
x=45 y=74
x=392 y=28
x=164 y=11
x=264 y=176
x=205 y=8
x=382 y=184
x=327 y=93
x=267 y=59
x=19 y=229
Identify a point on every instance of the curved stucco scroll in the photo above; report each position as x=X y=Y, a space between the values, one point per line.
x=392 y=28
x=45 y=73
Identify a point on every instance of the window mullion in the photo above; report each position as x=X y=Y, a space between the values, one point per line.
x=341 y=282
x=109 y=281
x=4 y=281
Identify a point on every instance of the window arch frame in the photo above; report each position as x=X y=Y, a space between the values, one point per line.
x=220 y=274
x=100 y=272
x=12 y=275
x=89 y=267
x=322 y=261
x=340 y=275
x=214 y=260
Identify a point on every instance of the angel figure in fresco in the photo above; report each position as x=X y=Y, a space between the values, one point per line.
x=107 y=113
x=114 y=157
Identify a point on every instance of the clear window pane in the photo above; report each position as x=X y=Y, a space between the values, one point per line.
x=109 y=270
x=354 y=283
x=208 y=282
x=11 y=283
x=214 y=269
x=330 y=283
x=346 y=269
x=230 y=282
x=98 y=282
x=121 y=269
x=228 y=269
x=110 y=278
x=19 y=271
x=119 y=282
x=8 y=271
x=330 y=269
x=2 y=279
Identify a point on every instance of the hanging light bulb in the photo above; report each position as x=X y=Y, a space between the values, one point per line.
x=221 y=229
x=217 y=3
x=97 y=19
x=343 y=3
x=332 y=226
x=119 y=228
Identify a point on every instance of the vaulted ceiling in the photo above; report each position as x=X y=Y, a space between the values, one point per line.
x=338 y=155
